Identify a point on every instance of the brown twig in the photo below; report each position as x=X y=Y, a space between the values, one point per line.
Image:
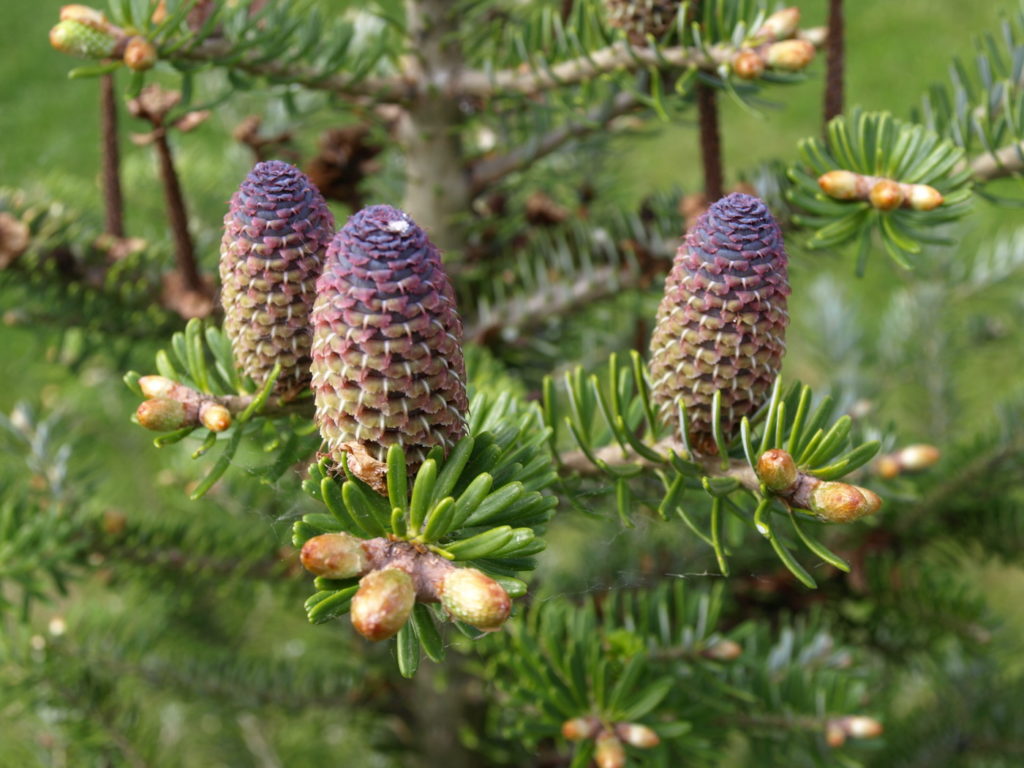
x=835 y=61
x=184 y=249
x=112 y=197
x=710 y=142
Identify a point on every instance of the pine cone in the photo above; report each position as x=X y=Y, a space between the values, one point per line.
x=387 y=349
x=640 y=18
x=275 y=235
x=722 y=322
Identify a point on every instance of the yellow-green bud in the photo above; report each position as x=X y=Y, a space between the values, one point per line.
x=841 y=185
x=886 y=195
x=748 y=64
x=139 y=54
x=609 y=752
x=857 y=726
x=776 y=469
x=83 y=14
x=723 y=650
x=780 y=25
x=78 y=39
x=843 y=503
x=475 y=598
x=383 y=603
x=636 y=735
x=214 y=416
x=334 y=555
x=161 y=414
x=790 y=55
x=924 y=198
x=579 y=728
x=156 y=386
x=915 y=458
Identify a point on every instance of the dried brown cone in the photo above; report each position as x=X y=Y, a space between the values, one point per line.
x=640 y=18
x=721 y=325
x=275 y=236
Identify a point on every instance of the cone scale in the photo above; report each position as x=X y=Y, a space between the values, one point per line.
x=387 y=351
x=721 y=324
x=275 y=235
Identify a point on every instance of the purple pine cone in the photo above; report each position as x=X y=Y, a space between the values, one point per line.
x=722 y=323
x=387 y=349
x=275 y=235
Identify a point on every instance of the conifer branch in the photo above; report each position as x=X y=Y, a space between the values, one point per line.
x=614 y=456
x=1003 y=162
x=195 y=408
x=381 y=90
x=489 y=170
x=617 y=57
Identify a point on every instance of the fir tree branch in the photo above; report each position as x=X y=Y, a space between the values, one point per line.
x=381 y=90
x=798 y=495
x=553 y=300
x=489 y=170
x=1003 y=162
x=198 y=406
x=617 y=57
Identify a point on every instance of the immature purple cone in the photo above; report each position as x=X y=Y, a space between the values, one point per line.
x=275 y=235
x=387 y=350
x=722 y=322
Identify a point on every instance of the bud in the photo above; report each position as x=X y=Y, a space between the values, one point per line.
x=78 y=39
x=915 y=458
x=636 y=735
x=723 y=650
x=776 y=469
x=888 y=466
x=156 y=386
x=83 y=14
x=886 y=195
x=579 y=728
x=924 y=198
x=334 y=555
x=873 y=502
x=843 y=503
x=383 y=603
x=841 y=185
x=748 y=64
x=835 y=736
x=475 y=598
x=609 y=753
x=139 y=54
x=780 y=25
x=857 y=726
x=161 y=414
x=790 y=55
x=214 y=416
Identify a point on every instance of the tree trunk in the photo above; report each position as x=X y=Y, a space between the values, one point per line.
x=437 y=191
